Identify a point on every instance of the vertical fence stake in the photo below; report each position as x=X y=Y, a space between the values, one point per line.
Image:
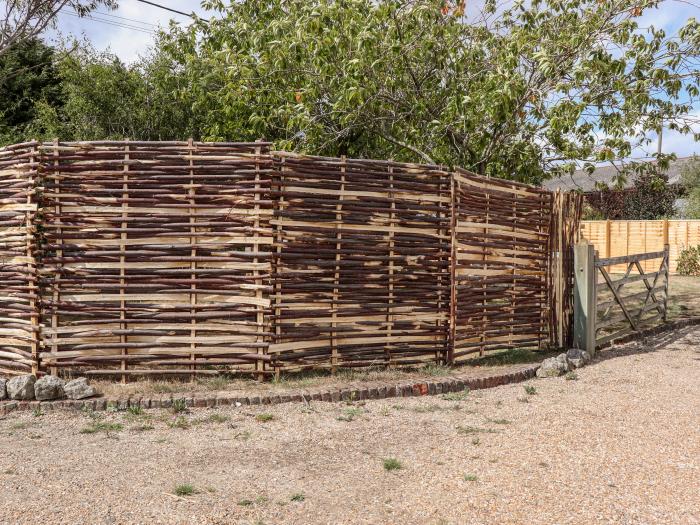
x=667 y=268
x=453 y=271
x=584 y=297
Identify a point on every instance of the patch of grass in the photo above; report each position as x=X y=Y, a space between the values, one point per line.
x=349 y=414
x=509 y=357
x=299 y=496
x=468 y=430
x=436 y=370
x=571 y=376
x=37 y=412
x=112 y=407
x=530 y=390
x=143 y=428
x=214 y=383
x=470 y=477
x=264 y=417
x=179 y=422
x=498 y=421
x=392 y=464
x=184 y=490
x=218 y=418
x=179 y=406
x=245 y=502
x=135 y=411
x=101 y=426
x=21 y=425
x=456 y=396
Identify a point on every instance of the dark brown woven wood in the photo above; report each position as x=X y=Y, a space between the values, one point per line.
x=361 y=266
x=19 y=324
x=501 y=254
x=185 y=258
x=155 y=254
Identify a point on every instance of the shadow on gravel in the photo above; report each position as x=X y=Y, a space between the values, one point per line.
x=649 y=343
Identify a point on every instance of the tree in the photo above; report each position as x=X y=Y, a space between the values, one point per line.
x=27 y=19
x=690 y=180
x=649 y=198
x=519 y=92
x=104 y=98
x=28 y=81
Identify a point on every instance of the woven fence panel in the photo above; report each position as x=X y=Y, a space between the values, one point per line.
x=18 y=295
x=156 y=257
x=361 y=265
x=501 y=262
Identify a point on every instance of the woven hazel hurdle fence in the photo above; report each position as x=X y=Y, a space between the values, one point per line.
x=123 y=258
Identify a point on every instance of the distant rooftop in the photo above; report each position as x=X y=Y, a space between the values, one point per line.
x=583 y=181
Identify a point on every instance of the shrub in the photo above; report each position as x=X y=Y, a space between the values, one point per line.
x=689 y=261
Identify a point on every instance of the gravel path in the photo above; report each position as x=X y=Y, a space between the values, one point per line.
x=621 y=444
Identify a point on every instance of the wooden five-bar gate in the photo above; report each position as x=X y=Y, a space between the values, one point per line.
x=610 y=305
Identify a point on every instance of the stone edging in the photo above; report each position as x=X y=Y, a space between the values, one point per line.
x=376 y=391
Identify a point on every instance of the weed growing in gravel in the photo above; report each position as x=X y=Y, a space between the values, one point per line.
x=19 y=426
x=384 y=412
x=264 y=417
x=530 y=390
x=135 y=411
x=475 y=441
x=179 y=422
x=299 y=496
x=470 y=477
x=37 y=412
x=392 y=464
x=523 y=400
x=349 y=414
x=112 y=407
x=245 y=502
x=468 y=430
x=143 y=428
x=244 y=436
x=179 y=406
x=218 y=418
x=498 y=421
x=571 y=376
x=101 y=426
x=184 y=490
x=456 y=396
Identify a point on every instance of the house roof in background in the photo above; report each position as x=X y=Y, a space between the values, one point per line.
x=581 y=180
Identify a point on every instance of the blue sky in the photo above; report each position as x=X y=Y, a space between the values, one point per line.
x=111 y=32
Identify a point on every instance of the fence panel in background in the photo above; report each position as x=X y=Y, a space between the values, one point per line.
x=156 y=257
x=501 y=265
x=19 y=323
x=621 y=238
x=361 y=266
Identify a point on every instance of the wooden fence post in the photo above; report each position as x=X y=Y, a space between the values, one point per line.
x=584 y=297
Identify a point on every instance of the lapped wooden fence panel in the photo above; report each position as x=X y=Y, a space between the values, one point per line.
x=361 y=266
x=19 y=323
x=156 y=257
x=501 y=265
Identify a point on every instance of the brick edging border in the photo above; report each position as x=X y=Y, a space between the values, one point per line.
x=376 y=391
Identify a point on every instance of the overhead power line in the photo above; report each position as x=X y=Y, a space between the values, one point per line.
x=113 y=23
x=165 y=7
x=124 y=18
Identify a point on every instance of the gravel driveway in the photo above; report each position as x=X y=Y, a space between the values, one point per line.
x=620 y=444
